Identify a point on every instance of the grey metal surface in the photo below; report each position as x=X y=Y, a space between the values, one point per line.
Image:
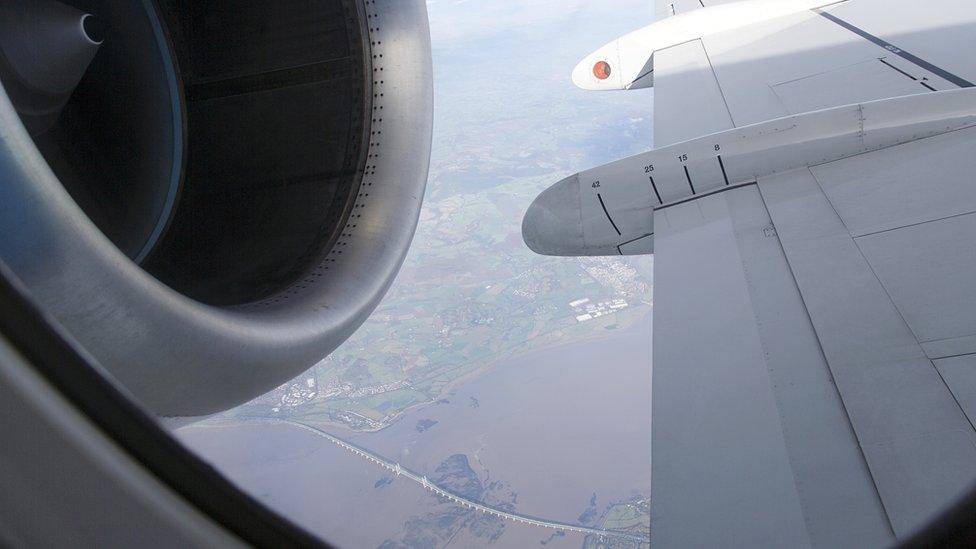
x=178 y=356
x=949 y=347
x=959 y=373
x=940 y=32
x=917 y=442
x=552 y=223
x=807 y=61
x=928 y=271
x=862 y=81
x=65 y=484
x=751 y=445
x=910 y=208
x=867 y=300
x=905 y=185
x=687 y=100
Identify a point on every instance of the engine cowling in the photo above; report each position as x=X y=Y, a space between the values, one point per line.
x=226 y=194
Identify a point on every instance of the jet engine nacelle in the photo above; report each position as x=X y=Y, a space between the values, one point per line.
x=211 y=196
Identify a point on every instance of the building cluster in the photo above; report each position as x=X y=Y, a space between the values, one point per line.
x=616 y=274
x=584 y=309
x=378 y=389
x=339 y=389
x=295 y=393
x=530 y=284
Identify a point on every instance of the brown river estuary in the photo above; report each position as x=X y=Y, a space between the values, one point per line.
x=561 y=433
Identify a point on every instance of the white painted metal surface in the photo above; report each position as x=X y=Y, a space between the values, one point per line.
x=848 y=53
x=600 y=209
x=746 y=419
x=684 y=77
x=914 y=183
x=916 y=440
x=911 y=211
x=631 y=57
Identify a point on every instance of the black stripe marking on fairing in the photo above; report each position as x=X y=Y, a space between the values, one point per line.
x=688 y=177
x=961 y=82
x=722 y=165
x=653 y=186
x=604 y=206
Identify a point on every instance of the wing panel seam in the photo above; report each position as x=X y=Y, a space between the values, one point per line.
x=718 y=84
x=961 y=82
x=830 y=371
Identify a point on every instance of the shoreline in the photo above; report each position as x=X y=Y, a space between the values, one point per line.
x=516 y=352
x=494 y=363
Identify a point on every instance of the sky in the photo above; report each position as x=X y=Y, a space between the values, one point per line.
x=502 y=77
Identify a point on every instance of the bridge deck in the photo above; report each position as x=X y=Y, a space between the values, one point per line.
x=401 y=471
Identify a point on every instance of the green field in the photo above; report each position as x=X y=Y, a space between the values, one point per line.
x=469 y=295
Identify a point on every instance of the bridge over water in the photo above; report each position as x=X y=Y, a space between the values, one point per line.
x=422 y=480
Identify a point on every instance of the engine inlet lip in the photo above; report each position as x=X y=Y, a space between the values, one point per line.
x=94 y=29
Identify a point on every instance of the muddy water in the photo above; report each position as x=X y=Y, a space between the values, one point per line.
x=546 y=432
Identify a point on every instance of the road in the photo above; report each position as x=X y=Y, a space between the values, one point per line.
x=422 y=480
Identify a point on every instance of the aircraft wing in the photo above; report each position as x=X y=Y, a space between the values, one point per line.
x=846 y=53
x=811 y=208
x=667 y=8
x=815 y=332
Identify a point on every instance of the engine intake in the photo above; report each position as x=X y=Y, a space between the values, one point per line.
x=227 y=191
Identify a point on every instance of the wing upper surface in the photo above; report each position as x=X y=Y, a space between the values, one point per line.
x=815 y=333
x=880 y=282
x=836 y=370
x=811 y=208
x=746 y=422
x=852 y=52
x=667 y=8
